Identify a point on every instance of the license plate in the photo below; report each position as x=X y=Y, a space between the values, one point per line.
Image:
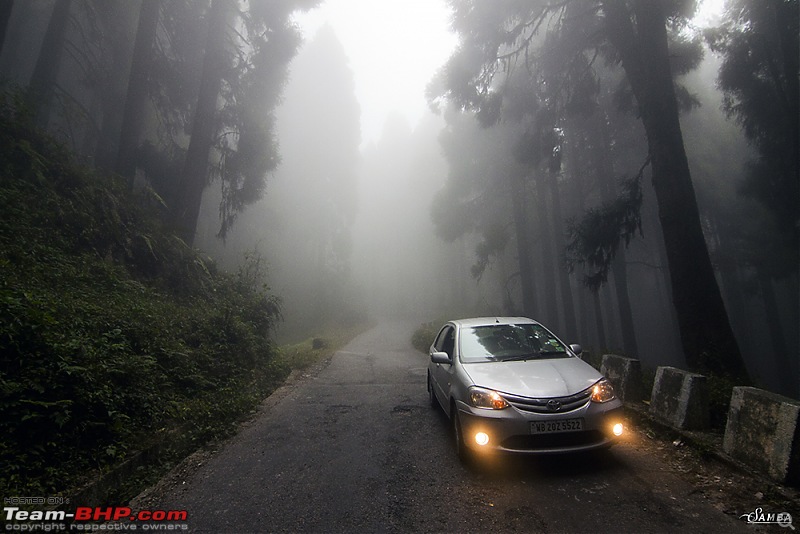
x=558 y=425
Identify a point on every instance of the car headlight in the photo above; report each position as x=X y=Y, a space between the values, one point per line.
x=486 y=398
x=603 y=391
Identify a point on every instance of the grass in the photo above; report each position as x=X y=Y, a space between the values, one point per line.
x=296 y=357
x=120 y=346
x=314 y=350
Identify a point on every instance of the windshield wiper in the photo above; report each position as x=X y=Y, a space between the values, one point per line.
x=521 y=357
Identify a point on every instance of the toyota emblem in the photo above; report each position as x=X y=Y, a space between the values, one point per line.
x=553 y=405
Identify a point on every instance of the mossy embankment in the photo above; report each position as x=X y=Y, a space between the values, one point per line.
x=114 y=335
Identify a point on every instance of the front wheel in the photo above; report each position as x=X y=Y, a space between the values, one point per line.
x=431 y=393
x=458 y=435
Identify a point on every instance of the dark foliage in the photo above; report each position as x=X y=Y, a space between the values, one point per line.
x=758 y=41
x=111 y=330
x=424 y=335
x=595 y=239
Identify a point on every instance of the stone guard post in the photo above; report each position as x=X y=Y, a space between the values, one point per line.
x=763 y=432
x=680 y=398
x=625 y=375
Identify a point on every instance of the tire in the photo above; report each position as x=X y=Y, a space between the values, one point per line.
x=461 y=447
x=432 y=394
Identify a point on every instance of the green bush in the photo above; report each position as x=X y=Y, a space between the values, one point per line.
x=111 y=329
x=423 y=336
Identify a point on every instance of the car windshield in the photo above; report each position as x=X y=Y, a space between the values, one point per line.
x=504 y=342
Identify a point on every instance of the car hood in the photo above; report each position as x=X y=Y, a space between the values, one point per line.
x=556 y=377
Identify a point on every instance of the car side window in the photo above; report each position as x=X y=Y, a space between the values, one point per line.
x=439 y=343
x=446 y=341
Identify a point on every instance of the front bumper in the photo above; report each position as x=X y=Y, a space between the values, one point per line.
x=510 y=430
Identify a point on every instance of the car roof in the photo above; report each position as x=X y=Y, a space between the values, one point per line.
x=488 y=321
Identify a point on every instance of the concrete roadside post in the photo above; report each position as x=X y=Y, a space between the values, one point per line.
x=680 y=398
x=625 y=375
x=763 y=432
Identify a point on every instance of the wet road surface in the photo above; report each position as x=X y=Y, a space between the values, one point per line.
x=357 y=448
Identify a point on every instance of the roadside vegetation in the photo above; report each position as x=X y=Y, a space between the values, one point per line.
x=307 y=353
x=423 y=336
x=115 y=336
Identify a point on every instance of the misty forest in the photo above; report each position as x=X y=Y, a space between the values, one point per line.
x=185 y=188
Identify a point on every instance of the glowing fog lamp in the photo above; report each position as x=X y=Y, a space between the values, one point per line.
x=481 y=438
x=617 y=429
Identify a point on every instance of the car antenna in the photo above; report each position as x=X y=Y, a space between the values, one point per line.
x=497 y=320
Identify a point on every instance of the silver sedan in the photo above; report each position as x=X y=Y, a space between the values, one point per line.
x=508 y=384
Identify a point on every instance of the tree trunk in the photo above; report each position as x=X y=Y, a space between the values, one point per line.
x=706 y=335
x=570 y=325
x=195 y=169
x=723 y=252
x=611 y=314
x=521 y=230
x=5 y=14
x=576 y=193
x=136 y=96
x=663 y=284
x=45 y=73
x=598 y=315
x=619 y=268
x=546 y=253
x=785 y=363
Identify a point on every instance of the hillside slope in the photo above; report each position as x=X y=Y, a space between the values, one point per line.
x=113 y=333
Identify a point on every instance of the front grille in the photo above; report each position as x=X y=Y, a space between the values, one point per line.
x=554 y=441
x=551 y=404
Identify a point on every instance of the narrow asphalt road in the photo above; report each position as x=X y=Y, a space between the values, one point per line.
x=357 y=448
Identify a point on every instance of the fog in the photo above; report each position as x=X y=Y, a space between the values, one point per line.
x=349 y=235
x=543 y=163
x=347 y=232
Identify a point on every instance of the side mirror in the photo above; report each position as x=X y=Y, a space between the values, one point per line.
x=440 y=357
x=577 y=349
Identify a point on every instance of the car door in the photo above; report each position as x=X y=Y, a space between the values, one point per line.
x=445 y=342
